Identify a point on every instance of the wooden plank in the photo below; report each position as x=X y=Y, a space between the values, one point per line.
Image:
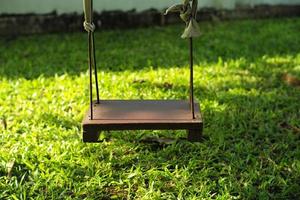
x=141 y=115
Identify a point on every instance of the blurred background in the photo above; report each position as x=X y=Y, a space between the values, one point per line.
x=39 y=16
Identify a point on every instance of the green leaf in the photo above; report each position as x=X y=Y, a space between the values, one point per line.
x=174 y=8
x=192 y=30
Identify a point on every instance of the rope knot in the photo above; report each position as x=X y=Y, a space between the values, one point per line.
x=89 y=27
x=188 y=12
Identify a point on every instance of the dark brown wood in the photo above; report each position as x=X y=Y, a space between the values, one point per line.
x=141 y=115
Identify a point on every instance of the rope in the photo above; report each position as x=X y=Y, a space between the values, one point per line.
x=188 y=12
x=89 y=27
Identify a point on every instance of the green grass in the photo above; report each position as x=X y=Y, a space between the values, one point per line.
x=252 y=118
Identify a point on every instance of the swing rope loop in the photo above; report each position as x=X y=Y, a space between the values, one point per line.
x=89 y=27
x=188 y=13
x=88 y=24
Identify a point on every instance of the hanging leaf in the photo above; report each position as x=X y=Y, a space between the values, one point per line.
x=186 y=16
x=192 y=30
x=174 y=8
x=188 y=13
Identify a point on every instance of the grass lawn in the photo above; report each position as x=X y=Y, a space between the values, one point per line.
x=252 y=116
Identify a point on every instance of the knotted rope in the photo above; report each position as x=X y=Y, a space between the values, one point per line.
x=188 y=13
x=88 y=24
x=89 y=27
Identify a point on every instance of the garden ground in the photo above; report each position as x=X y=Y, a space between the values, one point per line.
x=246 y=77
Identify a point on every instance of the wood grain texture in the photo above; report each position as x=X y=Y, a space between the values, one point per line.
x=141 y=115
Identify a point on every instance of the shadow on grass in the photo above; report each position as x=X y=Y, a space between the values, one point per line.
x=59 y=121
x=245 y=143
x=47 y=55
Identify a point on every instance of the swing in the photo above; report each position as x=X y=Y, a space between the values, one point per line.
x=106 y=115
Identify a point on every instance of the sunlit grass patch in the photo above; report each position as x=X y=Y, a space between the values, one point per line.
x=251 y=114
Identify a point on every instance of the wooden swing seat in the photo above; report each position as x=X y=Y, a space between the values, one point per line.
x=104 y=115
x=142 y=115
